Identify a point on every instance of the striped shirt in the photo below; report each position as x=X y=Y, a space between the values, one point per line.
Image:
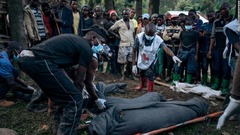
x=38 y=15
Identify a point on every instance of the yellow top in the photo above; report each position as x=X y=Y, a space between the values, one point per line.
x=76 y=19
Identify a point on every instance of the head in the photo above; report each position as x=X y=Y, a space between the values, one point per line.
x=46 y=8
x=192 y=13
x=96 y=35
x=112 y=14
x=98 y=11
x=189 y=23
x=211 y=16
x=35 y=3
x=139 y=19
x=146 y=18
x=74 y=5
x=160 y=20
x=224 y=9
x=174 y=20
x=154 y=18
x=63 y=3
x=13 y=49
x=150 y=30
x=132 y=13
x=85 y=10
x=125 y=14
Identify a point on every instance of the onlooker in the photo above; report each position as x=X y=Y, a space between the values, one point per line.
x=147 y=43
x=188 y=52
x=76 y=17
x=145 y=21
x=86 y=20
x=204 y=43
x=125 y=29
x=131 y=16
x=197 y=21
x=221 y=69
x=63 y=18
x=33 y=21
x=47 y=19
x=171 y=37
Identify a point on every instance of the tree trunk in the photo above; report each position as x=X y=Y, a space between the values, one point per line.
x=109 y=4
x=153 y=6
x=17 y=31
x=138 y=8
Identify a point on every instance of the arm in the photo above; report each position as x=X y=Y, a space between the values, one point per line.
x=167 y=50
x=212 y=42
x=177 y=35
x=13 y=83
x=89 y=78
x=68 y=21
x=79 y=79
x=166 y=36
x=134 y=51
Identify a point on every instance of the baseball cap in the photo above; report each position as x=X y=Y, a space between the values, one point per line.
x=146 y=15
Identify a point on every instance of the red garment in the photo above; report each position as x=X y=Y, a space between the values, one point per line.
x=46 y=20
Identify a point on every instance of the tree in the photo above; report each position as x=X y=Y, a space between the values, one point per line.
x=15 y=11
x=109 y=4
x=138 y=7
x=153 y=6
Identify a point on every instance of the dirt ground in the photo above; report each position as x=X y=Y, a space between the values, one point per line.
x=29 y=123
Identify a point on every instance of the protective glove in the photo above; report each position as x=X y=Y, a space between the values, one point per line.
x=85 y=94
x=231 y=109
x=176 y=59
x=134 y=69
x=100 y=103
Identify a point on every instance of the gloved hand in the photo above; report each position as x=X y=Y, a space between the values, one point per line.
x=231 y=109
x=176 y=59
x=134 y=69
x=85 y=94
x=100 y=103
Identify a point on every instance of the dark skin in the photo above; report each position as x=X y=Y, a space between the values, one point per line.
x=150 y=30
x=15 y=83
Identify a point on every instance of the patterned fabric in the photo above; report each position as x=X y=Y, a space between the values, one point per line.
x=38 y=16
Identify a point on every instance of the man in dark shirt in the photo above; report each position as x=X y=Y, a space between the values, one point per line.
x=45 y=64
x=221 y=70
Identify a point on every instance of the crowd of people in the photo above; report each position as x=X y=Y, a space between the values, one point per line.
x=67 y=46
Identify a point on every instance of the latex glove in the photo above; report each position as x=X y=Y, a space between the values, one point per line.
x=231 y=109
x=100 y=103
x=134 y=69
x=85 y=94
x=176 y=59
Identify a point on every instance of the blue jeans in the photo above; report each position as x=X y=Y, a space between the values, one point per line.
x=55 y=84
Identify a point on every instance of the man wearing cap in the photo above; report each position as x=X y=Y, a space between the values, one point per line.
x=171 y=37
x=145 y=21
x=45 y=64
x=9 y=74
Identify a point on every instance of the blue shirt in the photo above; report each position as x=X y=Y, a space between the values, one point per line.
x=204 y=42
x=6 y=68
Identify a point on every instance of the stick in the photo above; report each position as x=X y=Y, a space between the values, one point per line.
x=158 y=131
x=56 y=24
x=162 y=83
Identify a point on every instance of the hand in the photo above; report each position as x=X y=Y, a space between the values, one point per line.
x=100 y=103
x=85 y=94
x=209 y=54
x=176 y=59
x=134 y=69
x=170 y=34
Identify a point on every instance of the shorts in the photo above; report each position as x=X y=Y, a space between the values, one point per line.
x=124 y=54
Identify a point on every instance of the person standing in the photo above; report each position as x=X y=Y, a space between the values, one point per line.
x=221 y=69
x=125 y=29
x=35 y=28
x=148 y=43
x=76 y=17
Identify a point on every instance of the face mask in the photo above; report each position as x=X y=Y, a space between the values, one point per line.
x=188 y=27
x=97 y=48
x=149 y=37
x=16 y=58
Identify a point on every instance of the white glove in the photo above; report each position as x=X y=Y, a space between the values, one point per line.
x=134 y=69
x=85 y=94
x=100 y=103
x=231 y=109
x=176 y=59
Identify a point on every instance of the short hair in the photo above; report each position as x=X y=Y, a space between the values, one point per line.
x=193 y=10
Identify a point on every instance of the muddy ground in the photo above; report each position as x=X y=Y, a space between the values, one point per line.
x=29 y=123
